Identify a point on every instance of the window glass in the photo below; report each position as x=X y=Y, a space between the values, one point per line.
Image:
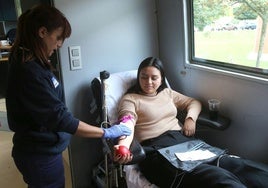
x=230 y=34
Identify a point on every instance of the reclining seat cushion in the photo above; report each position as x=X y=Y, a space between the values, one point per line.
x=115 y=87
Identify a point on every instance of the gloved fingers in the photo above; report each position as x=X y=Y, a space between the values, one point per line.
x=126 y=131
x=116 y=131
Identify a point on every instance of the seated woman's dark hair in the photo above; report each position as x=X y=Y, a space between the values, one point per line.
x=149 y=61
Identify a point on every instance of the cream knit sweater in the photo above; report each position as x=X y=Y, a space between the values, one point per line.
x=155 y=115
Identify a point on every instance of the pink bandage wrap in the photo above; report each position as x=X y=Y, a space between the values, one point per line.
x=126 y=118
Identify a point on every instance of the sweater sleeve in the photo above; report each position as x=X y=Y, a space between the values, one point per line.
x=191 y=105
x=41 y=96
x=127 y=107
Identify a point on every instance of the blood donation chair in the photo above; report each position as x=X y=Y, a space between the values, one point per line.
x=108 y=90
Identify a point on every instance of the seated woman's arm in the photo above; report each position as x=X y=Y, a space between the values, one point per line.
x=193 y=110
x=125 y=141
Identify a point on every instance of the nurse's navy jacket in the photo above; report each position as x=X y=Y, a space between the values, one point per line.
x=36 y=110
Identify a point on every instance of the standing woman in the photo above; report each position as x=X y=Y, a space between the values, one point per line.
x=35 y=106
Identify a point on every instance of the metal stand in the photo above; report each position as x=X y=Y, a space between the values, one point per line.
x=105 y=124
x=111 y=169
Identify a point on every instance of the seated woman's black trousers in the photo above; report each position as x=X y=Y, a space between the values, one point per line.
x=226 y=171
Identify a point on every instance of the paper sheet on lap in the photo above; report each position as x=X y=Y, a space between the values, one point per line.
x=195 y=155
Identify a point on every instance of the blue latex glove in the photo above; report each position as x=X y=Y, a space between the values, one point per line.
x=116 y=131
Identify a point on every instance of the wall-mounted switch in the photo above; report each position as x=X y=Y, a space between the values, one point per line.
x=76 y=63
x=75 y=57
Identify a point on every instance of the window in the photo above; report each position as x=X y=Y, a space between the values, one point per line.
x=230 y=35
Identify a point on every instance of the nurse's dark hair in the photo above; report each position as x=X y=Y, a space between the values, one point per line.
x=28 y=45
x=149 y=61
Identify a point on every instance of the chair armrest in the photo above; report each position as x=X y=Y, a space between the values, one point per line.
x=138 y=152
x=203 y=120
x=135 y=148
x=221 y=123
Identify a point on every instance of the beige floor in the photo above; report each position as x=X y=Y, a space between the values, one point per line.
x=9 y=175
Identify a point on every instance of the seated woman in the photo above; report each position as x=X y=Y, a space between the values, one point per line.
x=149 y=108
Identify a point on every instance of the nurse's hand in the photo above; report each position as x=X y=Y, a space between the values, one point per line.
x=116 y=131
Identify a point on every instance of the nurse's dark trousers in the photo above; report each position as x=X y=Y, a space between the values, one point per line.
x=40 y=171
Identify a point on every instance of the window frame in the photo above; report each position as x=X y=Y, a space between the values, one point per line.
x=218 y=66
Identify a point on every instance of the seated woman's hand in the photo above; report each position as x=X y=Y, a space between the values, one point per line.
x=122 y=155
x=188 y=128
